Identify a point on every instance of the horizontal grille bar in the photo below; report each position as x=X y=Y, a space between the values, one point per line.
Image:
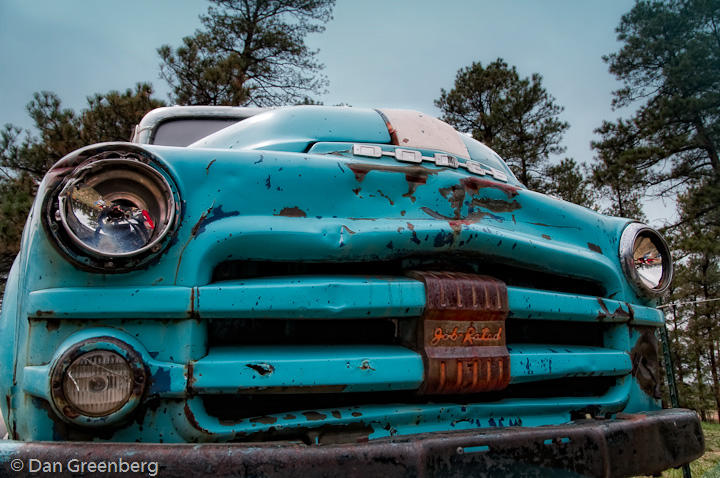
x=323 y=369
x=332 y=297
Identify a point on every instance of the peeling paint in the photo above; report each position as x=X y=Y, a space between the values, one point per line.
x=292 y=212
x=261 y=368
x=314 y=416
x=594 y=247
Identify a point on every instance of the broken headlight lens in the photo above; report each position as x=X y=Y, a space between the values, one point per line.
x=115 y=208
x=645 y=259
x=98 y=383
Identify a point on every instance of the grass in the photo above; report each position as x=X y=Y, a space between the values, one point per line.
x=708 y=465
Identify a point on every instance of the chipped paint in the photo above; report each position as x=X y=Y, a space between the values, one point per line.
x=262 y=368
x=293 y=211
x=594 y=248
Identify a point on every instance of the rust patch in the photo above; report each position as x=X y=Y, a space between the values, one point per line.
x=363 y=218
x=594 y=248
x=314 y=416
x=631 y=311
x=605 y=312
x=356 y=414
x=289 y=416
x=620 y=312
x=336 y=414
x=455 y=195
x=645 y=362
x=461 y=335
x=261 y=368
x=207 y=168
x=265 y=420
x=473 y=185
x=52 y=325
x=414 y=175
x=357 y=191
x=456 y=224
x=191 y=379
x=366 y=365
x=44 y=313
x=545 y=236
x=496 y=205
x=292 y=212
x=414 y=237
x=350 y=231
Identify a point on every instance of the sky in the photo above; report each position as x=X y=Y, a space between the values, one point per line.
x=377 y=53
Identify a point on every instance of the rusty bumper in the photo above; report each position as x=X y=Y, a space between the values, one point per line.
x=628 y=445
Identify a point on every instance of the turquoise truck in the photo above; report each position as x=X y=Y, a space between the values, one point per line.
x=310 y=290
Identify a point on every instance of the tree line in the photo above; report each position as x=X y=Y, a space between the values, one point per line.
x=254 y=52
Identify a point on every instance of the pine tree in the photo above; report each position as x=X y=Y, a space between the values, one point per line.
x=248 y=52
x=515 y=116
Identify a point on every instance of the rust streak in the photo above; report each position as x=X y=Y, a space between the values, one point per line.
x=392 y=203
x=473 y=185
x=541 y=224
x=207 y=168
x=459 y=377
x=441 y=382
x=605 y=312
x=413 y=174
x=193 y=421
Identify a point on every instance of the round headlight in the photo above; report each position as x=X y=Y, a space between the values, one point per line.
x=98 y=383
x=646 y=259
x=116 y=208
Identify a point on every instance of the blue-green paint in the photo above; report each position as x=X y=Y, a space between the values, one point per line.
x=266 y=199
x=347 y=368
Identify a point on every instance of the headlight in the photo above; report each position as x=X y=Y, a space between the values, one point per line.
x=114 y=211
x=116 y=208
x=97 y=381
x=645 y=259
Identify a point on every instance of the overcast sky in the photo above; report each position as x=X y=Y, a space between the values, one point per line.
x=377 y=53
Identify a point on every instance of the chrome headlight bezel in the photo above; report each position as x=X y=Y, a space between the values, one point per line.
x=631 y=235
x=67 y=410
x=151 y=183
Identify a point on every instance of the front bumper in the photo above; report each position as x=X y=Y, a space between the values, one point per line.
x=625 y=446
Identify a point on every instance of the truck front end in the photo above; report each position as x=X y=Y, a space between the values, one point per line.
x=319 y=290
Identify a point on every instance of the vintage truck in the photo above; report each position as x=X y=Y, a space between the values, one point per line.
x=308 y=291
